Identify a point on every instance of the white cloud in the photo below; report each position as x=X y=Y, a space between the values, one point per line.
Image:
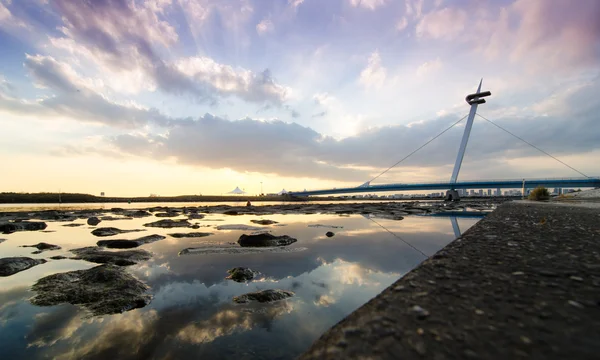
x=295 y=3
x=414 y=8
x=265 y=26
x=446 y=23
x=226 y=80
x=402 y=24
x=429 y=67
x=368 y=4
x=374 y=74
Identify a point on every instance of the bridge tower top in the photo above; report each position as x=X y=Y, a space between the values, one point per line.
x=473 y=100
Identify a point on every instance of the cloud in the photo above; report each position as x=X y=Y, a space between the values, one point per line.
x=226 y=80
x=414 y=8
x=247 y=145
x=429 y=67
x=374 y=75
x=265 y=26
x=447 y=23
x=75 y=99
x=125 y=37
x=524 y=32
x=402 y=24
x=320 y=114
x=368 y=4
x=295 y=3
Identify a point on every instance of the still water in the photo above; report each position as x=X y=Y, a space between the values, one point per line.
x=192 y=314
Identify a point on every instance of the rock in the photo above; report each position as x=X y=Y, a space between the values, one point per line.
x=121 y=258
x=168 y=223
x=206 y=250
x=265 y=239
x=102 y=290
x=231 y=212
x=128 y=244
x=239 y=227
x=12 y=265
x=241 y=274
x=2 y=240
x=263 y=296
x=73 y=225
x=195 y=216
x=11 y=227
x=325 y=226
x=264 y=222
x=43 y=247
x=58 y=257
x=136 y=213
x=420 y=312
x=329 y=234
x=110 y=231
x=190 y=235
x=113 y=218
x=167 y=214
x=93 y=221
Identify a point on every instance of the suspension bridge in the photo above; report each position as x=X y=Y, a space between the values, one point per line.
x=451 y=186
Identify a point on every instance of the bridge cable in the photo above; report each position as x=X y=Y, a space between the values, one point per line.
x=398 y=236
x=422 y=146
x=530 y=144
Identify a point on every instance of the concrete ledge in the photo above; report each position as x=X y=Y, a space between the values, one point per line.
x=522 y=283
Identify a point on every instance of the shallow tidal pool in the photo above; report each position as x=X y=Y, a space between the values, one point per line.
x=192 y=314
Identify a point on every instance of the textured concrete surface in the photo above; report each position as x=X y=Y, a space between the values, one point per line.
x=522 y=283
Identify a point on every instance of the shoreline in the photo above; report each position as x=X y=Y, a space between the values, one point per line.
x=70 y=198
x=521 y=283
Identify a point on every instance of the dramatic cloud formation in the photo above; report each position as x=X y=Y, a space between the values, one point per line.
x=332 y=91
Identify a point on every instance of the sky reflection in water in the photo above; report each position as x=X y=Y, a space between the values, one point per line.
x=192 y=314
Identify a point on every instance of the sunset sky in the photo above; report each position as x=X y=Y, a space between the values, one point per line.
x=186 y=97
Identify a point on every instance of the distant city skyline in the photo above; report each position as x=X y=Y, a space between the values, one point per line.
x=170 y=97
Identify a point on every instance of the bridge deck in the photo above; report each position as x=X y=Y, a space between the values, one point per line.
x=472 y=184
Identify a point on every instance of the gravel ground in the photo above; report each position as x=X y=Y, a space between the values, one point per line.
x=593 y=193
x=522 y=283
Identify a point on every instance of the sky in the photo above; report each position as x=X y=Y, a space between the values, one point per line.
x=173 y=97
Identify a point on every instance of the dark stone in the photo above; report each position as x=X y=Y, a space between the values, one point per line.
x=168 y=223
x=43 y=247
x=167 y=214
x=102 y=290
x=12 y=265
x=263 y=296
x=190 y=235
x=231 y=212
x=329 y=234
x=121 y=258
x=128 y=244
x=93 y=221
x=110 y=231
x=2 y=240
x=265 y=239
x=58 y=257
x=11 y=227
x=264 y=222
x=73 y=225
x=136 y=213
x=195 y=216
x=241 y=274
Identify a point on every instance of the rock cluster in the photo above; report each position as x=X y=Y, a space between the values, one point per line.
x=263 y=296
x=128 y=244
x=265 y=239
x=12 y=265
x=104 y=289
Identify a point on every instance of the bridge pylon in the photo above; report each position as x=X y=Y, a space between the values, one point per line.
x=473 y=100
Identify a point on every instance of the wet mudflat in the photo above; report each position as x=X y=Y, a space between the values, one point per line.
x=169 y=292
